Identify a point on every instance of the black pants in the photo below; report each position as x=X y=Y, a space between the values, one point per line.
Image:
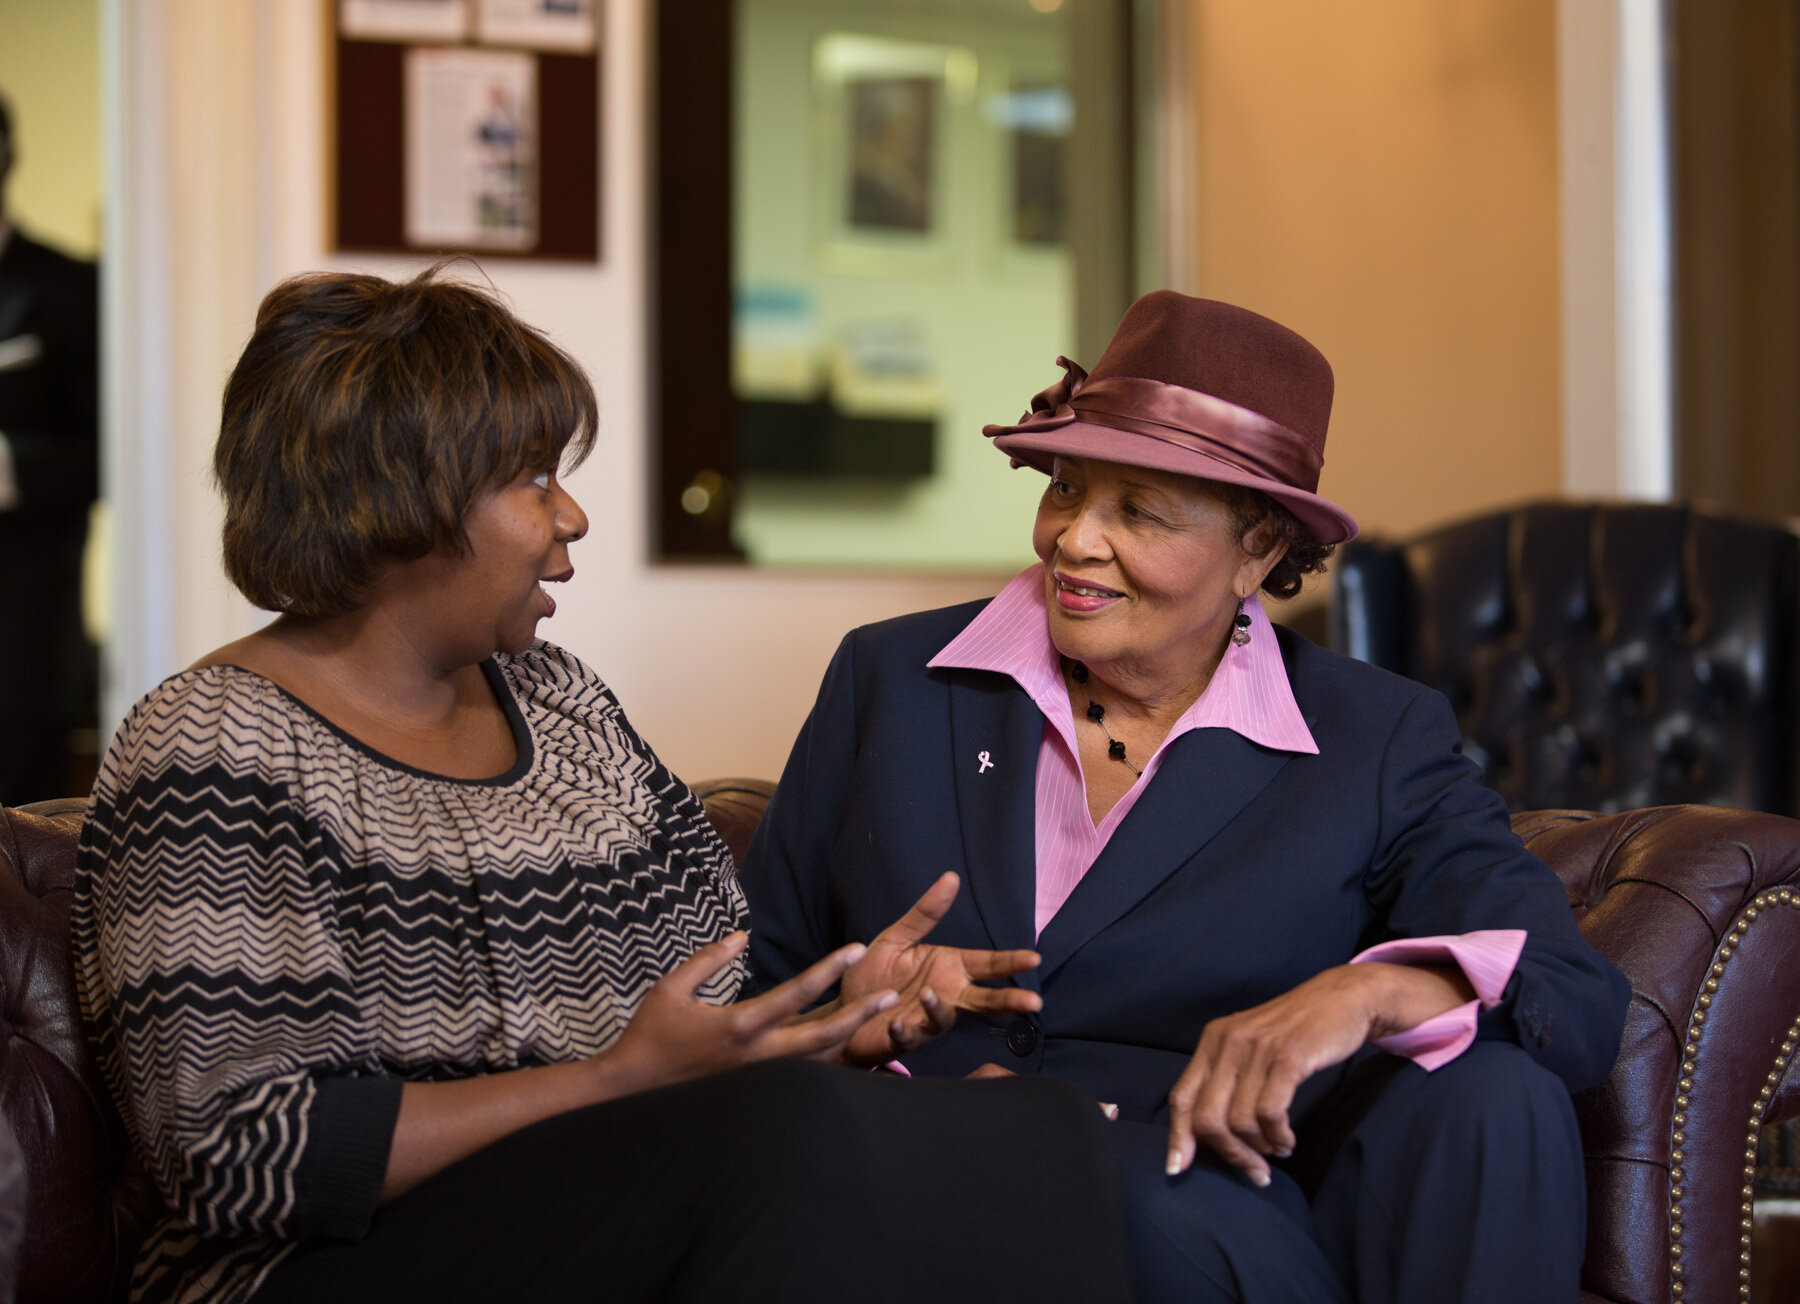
x=1463 y=1186
x=44 y=657
x=786 y=1181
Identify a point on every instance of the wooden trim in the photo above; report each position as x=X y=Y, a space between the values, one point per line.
x=693 y=413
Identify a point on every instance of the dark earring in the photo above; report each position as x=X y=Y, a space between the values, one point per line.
x=1241 y=633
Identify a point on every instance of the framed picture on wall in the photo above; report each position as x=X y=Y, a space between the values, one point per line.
x=442 y=146
x=1037 y=121
x=471 y=148
x=1027 y=113
x=404 y=20
x=537 y=24
x=889 y=120
x=891 y=167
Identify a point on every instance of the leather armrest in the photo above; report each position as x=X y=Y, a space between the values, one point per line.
x=1697 y=906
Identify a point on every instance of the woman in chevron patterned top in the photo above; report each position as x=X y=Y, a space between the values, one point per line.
x=412 y=970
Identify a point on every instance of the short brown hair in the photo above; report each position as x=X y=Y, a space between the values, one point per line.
x=1251 y=509
x=364 y=419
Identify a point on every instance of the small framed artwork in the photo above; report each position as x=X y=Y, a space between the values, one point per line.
x=403 y=20
x=471 y=148
x=456 y=145
x=892 y=153
x=1037 y=121
x=883 y=166
x=567 y=25
x=1027 y=114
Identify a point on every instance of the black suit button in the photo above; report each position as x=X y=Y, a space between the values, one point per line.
x=1021 y=1039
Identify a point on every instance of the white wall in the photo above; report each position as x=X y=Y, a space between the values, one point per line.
x=219 y=160
x=1618 y=401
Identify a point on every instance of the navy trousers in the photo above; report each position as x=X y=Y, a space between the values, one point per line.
x=1462 y=1186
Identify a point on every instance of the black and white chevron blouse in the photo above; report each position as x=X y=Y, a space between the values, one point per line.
x=275 y=926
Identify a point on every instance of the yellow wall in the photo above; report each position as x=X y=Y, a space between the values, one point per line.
x=50 y=71
x=1383 y=178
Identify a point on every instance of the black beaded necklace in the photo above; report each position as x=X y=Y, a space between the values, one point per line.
x=1240 y=635
x=1097 y=713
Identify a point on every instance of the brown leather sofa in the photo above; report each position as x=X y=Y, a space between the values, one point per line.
x=1698 y=905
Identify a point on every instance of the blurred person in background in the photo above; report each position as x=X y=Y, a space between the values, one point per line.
x=49 y=478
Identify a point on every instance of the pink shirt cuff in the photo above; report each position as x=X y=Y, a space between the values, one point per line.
x=1487 y=959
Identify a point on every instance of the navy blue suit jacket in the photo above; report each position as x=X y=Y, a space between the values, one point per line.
x=1240 y=872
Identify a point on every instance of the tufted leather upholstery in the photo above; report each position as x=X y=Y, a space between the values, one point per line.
x=1677 y=897
x=1603 y=657
x=13 y=1196
x=735 y=807
x=1680 y=898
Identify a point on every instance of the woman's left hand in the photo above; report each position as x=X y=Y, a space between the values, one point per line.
x=1235 y=1092
x=934 y=982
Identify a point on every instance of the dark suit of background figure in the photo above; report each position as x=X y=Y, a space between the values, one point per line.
x=1240 y=873
x=49 y=413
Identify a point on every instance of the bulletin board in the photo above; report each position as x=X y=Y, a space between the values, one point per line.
x=467 y=126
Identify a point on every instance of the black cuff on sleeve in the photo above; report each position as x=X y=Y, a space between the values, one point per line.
x=1499 y=1023
x=350 y=1130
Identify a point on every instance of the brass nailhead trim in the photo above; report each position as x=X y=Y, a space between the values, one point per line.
x=1678 y=1134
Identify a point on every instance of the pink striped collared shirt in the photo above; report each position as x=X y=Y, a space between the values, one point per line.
x=1249 y=694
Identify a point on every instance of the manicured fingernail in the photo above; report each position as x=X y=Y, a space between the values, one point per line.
x=1284 y=1152
x=1111 y=1111
x=1173 y=1167
x=1260 y=1178
x=854 y=952
x=928 y=998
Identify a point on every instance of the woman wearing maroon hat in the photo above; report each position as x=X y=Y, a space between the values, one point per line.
x=1283 y=928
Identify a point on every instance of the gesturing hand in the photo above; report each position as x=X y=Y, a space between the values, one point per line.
x=934 y=982
x=1235 y=1092
x=675 y=1036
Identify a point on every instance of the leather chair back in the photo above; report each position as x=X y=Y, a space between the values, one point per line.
x=89 y=1201
x=1599 y=657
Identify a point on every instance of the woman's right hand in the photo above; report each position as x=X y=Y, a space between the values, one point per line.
x=675 y=1035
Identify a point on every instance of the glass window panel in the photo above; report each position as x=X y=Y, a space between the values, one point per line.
x=901 y=273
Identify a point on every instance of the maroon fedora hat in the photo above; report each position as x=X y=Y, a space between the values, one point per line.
x=1200 y=388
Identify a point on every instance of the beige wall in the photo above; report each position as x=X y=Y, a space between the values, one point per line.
x=1383 y=178
x=50 y=71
